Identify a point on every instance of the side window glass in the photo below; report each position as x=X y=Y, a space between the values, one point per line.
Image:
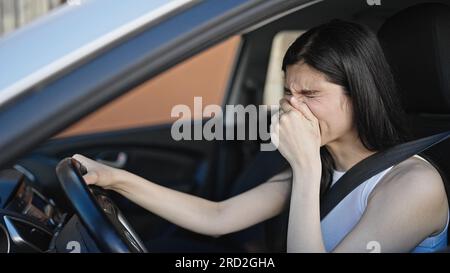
x=204 y=75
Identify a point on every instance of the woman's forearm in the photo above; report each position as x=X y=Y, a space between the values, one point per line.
x=304 y=229
x=188 y=211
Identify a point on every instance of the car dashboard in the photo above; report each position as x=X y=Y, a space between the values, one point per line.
x=29 y=221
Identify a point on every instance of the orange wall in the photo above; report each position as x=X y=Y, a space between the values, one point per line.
x=205 y=75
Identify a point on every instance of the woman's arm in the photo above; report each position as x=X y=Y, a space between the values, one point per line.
x=304 y=228
x=192 y=212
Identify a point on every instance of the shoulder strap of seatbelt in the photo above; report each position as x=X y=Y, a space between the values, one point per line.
x=373 y=165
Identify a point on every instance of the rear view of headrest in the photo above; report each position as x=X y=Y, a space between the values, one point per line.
x=416 y=42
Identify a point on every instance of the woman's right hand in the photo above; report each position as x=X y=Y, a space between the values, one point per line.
x=97 y=173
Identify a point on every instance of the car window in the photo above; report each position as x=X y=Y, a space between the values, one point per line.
x=204 y=75
x=273 y=89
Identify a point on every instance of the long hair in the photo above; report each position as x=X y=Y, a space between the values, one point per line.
x=350 y=55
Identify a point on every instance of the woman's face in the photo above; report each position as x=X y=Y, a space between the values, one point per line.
x=326 y=100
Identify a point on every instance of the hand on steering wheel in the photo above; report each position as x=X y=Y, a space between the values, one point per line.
x=101 y=217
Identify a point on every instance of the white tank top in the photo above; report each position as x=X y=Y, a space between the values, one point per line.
x=347 y=213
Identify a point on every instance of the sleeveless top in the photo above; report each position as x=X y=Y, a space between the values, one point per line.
x=347 y=213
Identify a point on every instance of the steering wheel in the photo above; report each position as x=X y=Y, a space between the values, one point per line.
x=101 y=217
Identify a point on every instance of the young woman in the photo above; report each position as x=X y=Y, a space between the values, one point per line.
x=339 y=108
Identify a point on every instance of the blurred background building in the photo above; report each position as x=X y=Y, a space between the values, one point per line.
x=16 y=13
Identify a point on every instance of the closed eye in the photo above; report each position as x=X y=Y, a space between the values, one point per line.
x=305 y=92
x=309 y=93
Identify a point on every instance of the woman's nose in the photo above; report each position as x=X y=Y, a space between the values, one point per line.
x=299 y=98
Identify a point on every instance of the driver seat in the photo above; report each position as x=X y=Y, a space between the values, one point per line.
x=416 y=42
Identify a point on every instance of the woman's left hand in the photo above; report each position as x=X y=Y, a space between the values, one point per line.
x=295 y=132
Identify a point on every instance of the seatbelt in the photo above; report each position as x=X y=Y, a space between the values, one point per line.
x=373 y=165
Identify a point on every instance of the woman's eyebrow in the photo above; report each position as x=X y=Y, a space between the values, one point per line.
x=301 y=91
x=309 y=91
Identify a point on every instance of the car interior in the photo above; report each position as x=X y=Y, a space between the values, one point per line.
x=37 y=217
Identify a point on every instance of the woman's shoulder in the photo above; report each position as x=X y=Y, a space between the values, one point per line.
x=413 y=175
x=415 y=182
x=414 y=170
